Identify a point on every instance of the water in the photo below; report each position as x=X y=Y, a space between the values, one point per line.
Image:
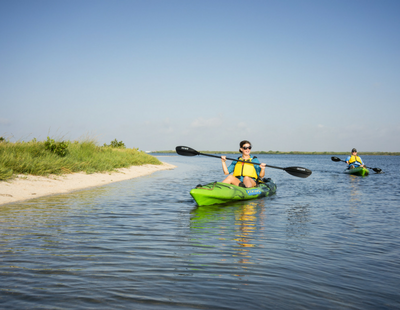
x=330 y=241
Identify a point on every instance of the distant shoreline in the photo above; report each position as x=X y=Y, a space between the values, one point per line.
x=288 y=153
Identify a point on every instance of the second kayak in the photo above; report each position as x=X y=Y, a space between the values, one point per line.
x=218 y=192
x=361 y=171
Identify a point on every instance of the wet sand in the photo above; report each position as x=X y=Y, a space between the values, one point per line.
x=25 y=187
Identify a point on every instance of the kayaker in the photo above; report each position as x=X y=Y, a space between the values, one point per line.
x=354 y=160
x=244 y=175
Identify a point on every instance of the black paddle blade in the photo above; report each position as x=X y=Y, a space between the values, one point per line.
x=298 y=171
x=377 y=170
x=335 y=158
x=186 y=151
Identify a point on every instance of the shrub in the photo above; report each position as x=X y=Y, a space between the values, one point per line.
x=116 y=144
x=59 y=148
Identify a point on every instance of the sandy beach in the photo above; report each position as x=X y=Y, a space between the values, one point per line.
x=25 y=187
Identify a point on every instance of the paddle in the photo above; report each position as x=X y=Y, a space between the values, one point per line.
x=295 y=171
x=377 y=170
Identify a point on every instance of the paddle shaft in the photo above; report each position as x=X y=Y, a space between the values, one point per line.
x=248 y=162
x=295 y=171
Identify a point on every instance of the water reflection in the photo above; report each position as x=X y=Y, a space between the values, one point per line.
x=82 y=199
x=355 y=202
x=245 y=222
x=235 y=226
x=49 y=222
x=298 y=217
x=355 y=188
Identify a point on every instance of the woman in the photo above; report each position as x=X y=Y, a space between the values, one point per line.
x=244 y=175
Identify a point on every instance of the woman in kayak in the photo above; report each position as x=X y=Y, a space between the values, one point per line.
x=354 y=160
x=244 y=175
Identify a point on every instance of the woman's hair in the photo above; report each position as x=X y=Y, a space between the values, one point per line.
x=243 y=143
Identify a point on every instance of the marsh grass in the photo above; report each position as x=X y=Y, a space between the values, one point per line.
x=33 y=158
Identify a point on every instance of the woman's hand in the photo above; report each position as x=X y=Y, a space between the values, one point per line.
x=262 y=165
x=223 y=159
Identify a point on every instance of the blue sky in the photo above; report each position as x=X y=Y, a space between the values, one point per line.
x=286 y=75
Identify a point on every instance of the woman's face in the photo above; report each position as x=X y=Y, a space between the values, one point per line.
x=246 y=149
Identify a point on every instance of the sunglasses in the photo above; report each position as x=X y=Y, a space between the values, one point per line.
x=247 y=148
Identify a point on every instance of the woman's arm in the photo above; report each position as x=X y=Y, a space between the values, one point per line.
x=262 y=172
x=224 y=167
x=260 y=169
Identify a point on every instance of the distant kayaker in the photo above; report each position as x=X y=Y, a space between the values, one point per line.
x=354 y=160
x=244 y=175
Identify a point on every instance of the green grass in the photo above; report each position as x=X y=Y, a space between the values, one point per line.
x=33 y=158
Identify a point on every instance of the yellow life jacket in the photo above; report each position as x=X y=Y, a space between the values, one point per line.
x=244 y=169
x=355 y=159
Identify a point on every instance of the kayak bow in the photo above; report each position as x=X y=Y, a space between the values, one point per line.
x=361 y=171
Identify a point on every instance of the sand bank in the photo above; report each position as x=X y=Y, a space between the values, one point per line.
x=27 y=187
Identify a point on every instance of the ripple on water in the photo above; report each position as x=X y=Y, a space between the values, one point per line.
x=329 y=241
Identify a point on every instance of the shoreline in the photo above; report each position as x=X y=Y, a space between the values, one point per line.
x=25 y=187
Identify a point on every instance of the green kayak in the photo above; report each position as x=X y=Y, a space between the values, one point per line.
x=361 y=171
x=217 y=192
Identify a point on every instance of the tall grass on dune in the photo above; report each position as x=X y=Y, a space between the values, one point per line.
x=36 y=158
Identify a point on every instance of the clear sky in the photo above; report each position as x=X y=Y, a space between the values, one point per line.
x=291 y=75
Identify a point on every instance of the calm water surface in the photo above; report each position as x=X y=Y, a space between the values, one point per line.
x=331 y=241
